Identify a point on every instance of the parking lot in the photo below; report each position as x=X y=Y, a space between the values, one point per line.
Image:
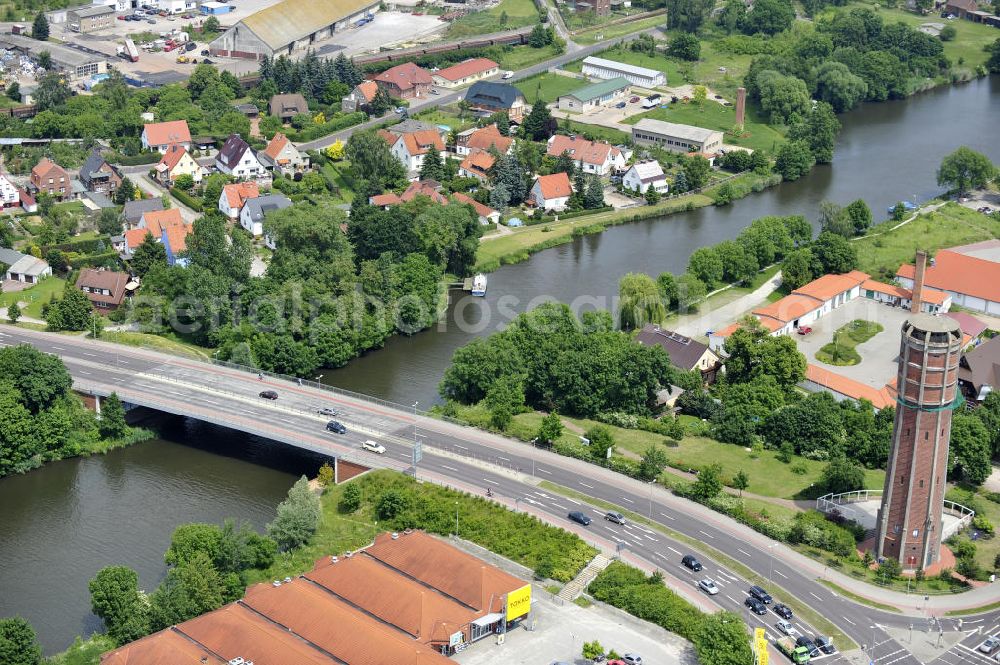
x=561 y=629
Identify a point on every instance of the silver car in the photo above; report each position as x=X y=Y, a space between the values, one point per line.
x=708 y=586
x=787 y=628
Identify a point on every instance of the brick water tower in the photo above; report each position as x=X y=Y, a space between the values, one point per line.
x=909 y=520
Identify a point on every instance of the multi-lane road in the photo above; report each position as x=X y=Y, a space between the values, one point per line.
x=474 y=460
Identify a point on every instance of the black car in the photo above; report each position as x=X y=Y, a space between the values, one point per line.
x=204 y=51
x=760 y=594
x=579 y=518
x=268 y=394
x=825 y=645
x=690 y=562
x=806 y=641
x=783 y=611
x=755 y=605
x=336 y=427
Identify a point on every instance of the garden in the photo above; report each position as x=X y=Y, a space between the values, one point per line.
x=841 y=351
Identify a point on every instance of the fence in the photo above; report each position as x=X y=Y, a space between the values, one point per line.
x=829 y=503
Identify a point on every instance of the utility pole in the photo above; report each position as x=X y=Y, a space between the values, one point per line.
x=417 y=452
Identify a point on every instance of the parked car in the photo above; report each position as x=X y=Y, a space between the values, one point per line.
x=786 y=627
x=755 y=605
x=617 y=518
x=634 y=100
x=991 y=644
x=708 y=586
x=632 y=659
x=373 y=447
x=761 y=595
x=327 y=411
x=151 y=21
x=190 y=46
x=620 y=105
x=208 y=62
x=579 y=518
x=204 y=51
x=336 y=427
x=507 y=75
x=122 y=17
x=783 y=611
x=806 y=641
x=804 y=330
x=691 y=562
x=825 y=644
x=268 y=394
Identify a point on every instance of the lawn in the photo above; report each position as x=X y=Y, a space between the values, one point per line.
x=841 y=350
x=594 y=132
x=36 y=296
x=596 y=34
x=757 y=135
x=882 y=251
x=520 y=57
x=444 y=116
x=548 y=86
x=519 y=14
x=157 y=343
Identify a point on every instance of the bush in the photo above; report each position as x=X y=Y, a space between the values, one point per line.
x=136 y=160
x=812 y=528
x=185 y=198
x=629 y=589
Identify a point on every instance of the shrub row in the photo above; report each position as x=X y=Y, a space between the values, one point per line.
x=88 y=246
x=107 y=259
x=185 y=198
x=334 y=124
x=136 y=160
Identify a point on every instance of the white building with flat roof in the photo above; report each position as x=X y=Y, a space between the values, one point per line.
x=609 y=69
x=676 y=137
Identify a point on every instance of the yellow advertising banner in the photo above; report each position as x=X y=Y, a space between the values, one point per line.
x=760 y=646
x=518 y=602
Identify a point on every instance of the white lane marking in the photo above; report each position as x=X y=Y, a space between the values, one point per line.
x=559 y=507
x=576 y=503
x=743 y=552
x=707 y=534
x=82 y=371
x=462 y=447
x=546 y=472
x=58 y=348
x=815 y=596
x=649 y=537
x=849 y=621
x=586 y=485
x=503 y=458
x=625 y=498
x=673 y=550
x=660 y=555
x=450 y=468
x=781 y=574
x=617 y=539
x=90 y=355
x=729 y=597
x=491 y=482
x=667 y=516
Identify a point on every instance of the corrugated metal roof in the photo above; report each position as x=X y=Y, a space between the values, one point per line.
x=621 y=67
x=290 y=20
x=597 y=90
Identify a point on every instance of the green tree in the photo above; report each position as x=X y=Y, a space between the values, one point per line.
x=13 y=312
x=210 y=26
x=993 y=63
x=297 y=518
x=965 y=169
x=13 y=91
x=685 y=46
x=116 y=599
x=784 y=98
x=706 y=264
x=687 y=15
x=550 y=430
x=391 y=504
x=18 y=643
x=721 y=639
x=842 y=475
x=504 y=398
x=593 y=198
x=539 y=36
x=652 y=463
x=836 y=85
x=73 y=312
x=601 y=441
x=350 y=500
x=794 y=160
x=191 y=539
x=112 y=424
x=189 y=590
x=888 y=570
x=690 y=290
x=126 y=192
x=696 y=170
x=52 y=91
x=819 y=130
x=969 y=452
x=796 y=269
x=741 y=481
x=708 y=484
x=834 y=253
x=639 y=301
x=109 y=223
x=432 y=168
x=768 y=17
x=148 y=255
x=538 y=125
x=860 y=215
x=592 y=650
x=373 y=163
x=753 y=352
x=40 y=27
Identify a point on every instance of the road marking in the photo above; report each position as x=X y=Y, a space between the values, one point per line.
x=58 y=348
x=545 y=472
x=576 y=503
x=707 y=534
x=849 y=621
x=82 y=371
x=450 y=468
x=503 y=458
x=673 y=550
x=730 y=597
x=667 y=516
x=743 y=552
x=660 y=555
x=815 y=596
x=491 y=482
x=559 y=507
x=586 y=485
x=462 y=447
x=617 y=538
x=90 y=355
x=625 y=498
x=649 y=537
x=781 y=574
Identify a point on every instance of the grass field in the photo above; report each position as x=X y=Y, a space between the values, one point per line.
x=882 y=251
x=590 y=35
x=594 y=132
x=525 y=56
x=519 y=14
x=157 y=343
x=36 y=296
x=548 y=87
x=841 y=350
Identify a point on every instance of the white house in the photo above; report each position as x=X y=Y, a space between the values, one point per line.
x=252 y=215
x=176 y=6
x=551 y=192
x=234 y=196
x=412 y=147
x=161 y=135
x=9 y=193
x=119 y=5
x=644 y=175
x=237 y=159
x=592 y=156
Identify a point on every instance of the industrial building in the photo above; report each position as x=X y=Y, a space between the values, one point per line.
x=289 y=26
x=408 y=598
x=75 y=63
x=609 y=69
x=594 y=95
x=90 y=18
x=675 y=137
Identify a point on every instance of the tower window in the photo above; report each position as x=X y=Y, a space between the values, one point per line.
x=921 y=483
x=915 y=532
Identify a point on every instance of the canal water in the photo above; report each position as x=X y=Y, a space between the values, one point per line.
x=59 y=525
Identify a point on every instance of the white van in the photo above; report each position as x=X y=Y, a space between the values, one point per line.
x=373 y=447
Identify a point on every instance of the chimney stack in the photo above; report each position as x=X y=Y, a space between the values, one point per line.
x=918 y=281
x=741 y=105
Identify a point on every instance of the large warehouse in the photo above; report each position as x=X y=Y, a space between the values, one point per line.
x=289 y=26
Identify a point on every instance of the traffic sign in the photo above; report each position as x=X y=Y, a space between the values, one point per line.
x=418 y=453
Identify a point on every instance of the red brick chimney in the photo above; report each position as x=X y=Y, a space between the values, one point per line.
x=741 y=105
x=918 y=281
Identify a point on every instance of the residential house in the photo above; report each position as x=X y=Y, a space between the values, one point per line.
x=10 y=194
x=551 y=192
x=177 y=161
x=161 y=135
x=477 y=165
x=467 y=71
x=359 y=98
x=99 y=176
x=405 y=81
x=134 y=210
x=23 y=268
x=252 y=214
x=90 y=18
x=979 y=371
x=169 y=230
x=385 y=201
x=486 y=214
x=970 y=273
x=483 y=139
x=49 y=178
x=249 y=110
x=644 y=175
x=932 y=301
x=237 y=159
x=595 y=95
x=282 y=157
x=28 y=203
x=488 y=97
x=685 y=353
x=594 y=157
x=157 y=219
x=428 y=188
x=411 y=148
x=962 y=8
x=234 y=196
x=287 y=106
x=106 y=289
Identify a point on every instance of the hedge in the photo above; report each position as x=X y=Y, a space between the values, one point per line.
x=136 y=160
x=88 y=246
x=436 y=59
x=94 y=260
x=186 y=199
x=335 y=124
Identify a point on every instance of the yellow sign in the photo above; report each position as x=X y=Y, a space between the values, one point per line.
x=760 y=646
x=518 y=602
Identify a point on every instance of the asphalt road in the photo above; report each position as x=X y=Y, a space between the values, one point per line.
x=473 y=460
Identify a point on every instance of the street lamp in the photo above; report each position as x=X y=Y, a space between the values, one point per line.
x=651 y=483
x=416 y=451
x=456 y=519
x=871 y=652
x=770 y=562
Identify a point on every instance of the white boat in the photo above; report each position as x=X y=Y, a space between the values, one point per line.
x=479 y=285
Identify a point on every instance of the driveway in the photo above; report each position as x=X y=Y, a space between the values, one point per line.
x=695 y=325
x=143 y=182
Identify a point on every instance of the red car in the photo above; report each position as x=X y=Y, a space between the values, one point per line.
x=804 y=330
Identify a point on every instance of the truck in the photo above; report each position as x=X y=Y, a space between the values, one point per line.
x=651 y=101
x=128 y=51
x=798 y=655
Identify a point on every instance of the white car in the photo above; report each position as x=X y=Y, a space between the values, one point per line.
x=373 y=447
x=507 y=75
x=787 y=628
x=708 y=586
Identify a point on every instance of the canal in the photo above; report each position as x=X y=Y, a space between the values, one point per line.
x=64 y=522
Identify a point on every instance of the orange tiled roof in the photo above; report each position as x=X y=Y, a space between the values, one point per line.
x=489 y=136
x=388 y=137
x=466 y=68
x=423 y=188
x=173 y=156
x=44 y=167
x=960 y=273
x=420 y=142
x=580 y=149
x=162 y=133
x=167 y=647
x=276 y=145
x=405 y=76
x=386 y=199
x=789 y=308
x=478 y=161
x=368 y=90
x=555 y=185
x=880 y=398
x=237 y=193
x=160 y=219
x=932 y=296
x=828 y=286
x=481 y=210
